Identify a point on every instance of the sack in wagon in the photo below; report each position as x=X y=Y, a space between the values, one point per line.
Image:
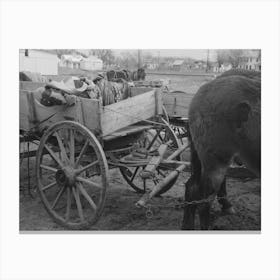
x=67 y=91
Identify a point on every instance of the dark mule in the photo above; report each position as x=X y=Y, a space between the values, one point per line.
x=138 y=75
x=113 y=75
x=224 y=121
x=126 y=75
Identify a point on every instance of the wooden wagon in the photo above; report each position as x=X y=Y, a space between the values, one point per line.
x=79 y=144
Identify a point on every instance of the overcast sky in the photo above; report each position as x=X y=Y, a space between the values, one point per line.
x=192 y=53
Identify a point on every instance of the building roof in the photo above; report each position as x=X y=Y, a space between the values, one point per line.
x=72 y=58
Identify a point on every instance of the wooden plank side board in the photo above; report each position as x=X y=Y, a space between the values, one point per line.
x=90 y=110
x=129 y=111
x=177 y=103
x=30 y=85
x=33 y=113
x=47 y=116
x=139 y=90
x=24 y=118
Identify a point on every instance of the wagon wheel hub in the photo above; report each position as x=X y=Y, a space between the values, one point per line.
x=66 y=177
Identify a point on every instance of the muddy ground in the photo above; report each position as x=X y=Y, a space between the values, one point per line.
x=120 y=212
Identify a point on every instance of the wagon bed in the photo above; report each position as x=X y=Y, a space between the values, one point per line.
x=104 y=121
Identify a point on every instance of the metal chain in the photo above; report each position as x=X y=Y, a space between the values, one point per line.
x=179 y=205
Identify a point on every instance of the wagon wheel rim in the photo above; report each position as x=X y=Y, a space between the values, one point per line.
x=72 y=175
x=159 y=135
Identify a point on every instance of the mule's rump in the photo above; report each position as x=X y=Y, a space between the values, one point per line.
x=224 y=121
x=224 y=118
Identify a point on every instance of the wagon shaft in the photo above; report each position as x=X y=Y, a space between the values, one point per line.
x=170 y=178
x=154 y=162
x=173 y=175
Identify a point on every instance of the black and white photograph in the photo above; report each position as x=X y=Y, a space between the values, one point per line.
x=140 y=139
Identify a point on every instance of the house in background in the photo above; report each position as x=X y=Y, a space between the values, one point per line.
x=70 y=61
x=215 y=67
x=200 y=65
x=250 y=60
x=91 y=63
x=44 y=62
x=226 y=66
x=150 y=64
x=178 y=64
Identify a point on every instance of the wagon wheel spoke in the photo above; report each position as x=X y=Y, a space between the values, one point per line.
x=61 y=146
x=159 y=136
x=144 y=142
x=144 y=185
x=153 y=140
x=68 y=206
x=48 y=168
x=89 y=182
x=72 y=147
x=82 y=152
x=86 y=195
x=53 y=155
x=134 y=174
x=49 y=186
x=58 y=197
x=78 y=203
x=84 y=168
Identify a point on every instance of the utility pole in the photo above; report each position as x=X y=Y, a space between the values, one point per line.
x=207 y=61
x=139 y=59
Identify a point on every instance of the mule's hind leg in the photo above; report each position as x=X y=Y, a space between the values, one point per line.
x=191 y=193
x=211 y=182
x=227 y=207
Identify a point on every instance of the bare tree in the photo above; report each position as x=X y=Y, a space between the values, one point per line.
x=230 y=56
x=106 y=55
x=234 y=57
x=222 y=57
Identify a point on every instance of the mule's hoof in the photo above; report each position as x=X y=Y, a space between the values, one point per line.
x=229 y=211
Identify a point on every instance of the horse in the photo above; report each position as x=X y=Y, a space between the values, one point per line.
x=224 y=121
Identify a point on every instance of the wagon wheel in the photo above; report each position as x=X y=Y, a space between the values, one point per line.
x=72 y=175
x=151 y=140
x=165 y=114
